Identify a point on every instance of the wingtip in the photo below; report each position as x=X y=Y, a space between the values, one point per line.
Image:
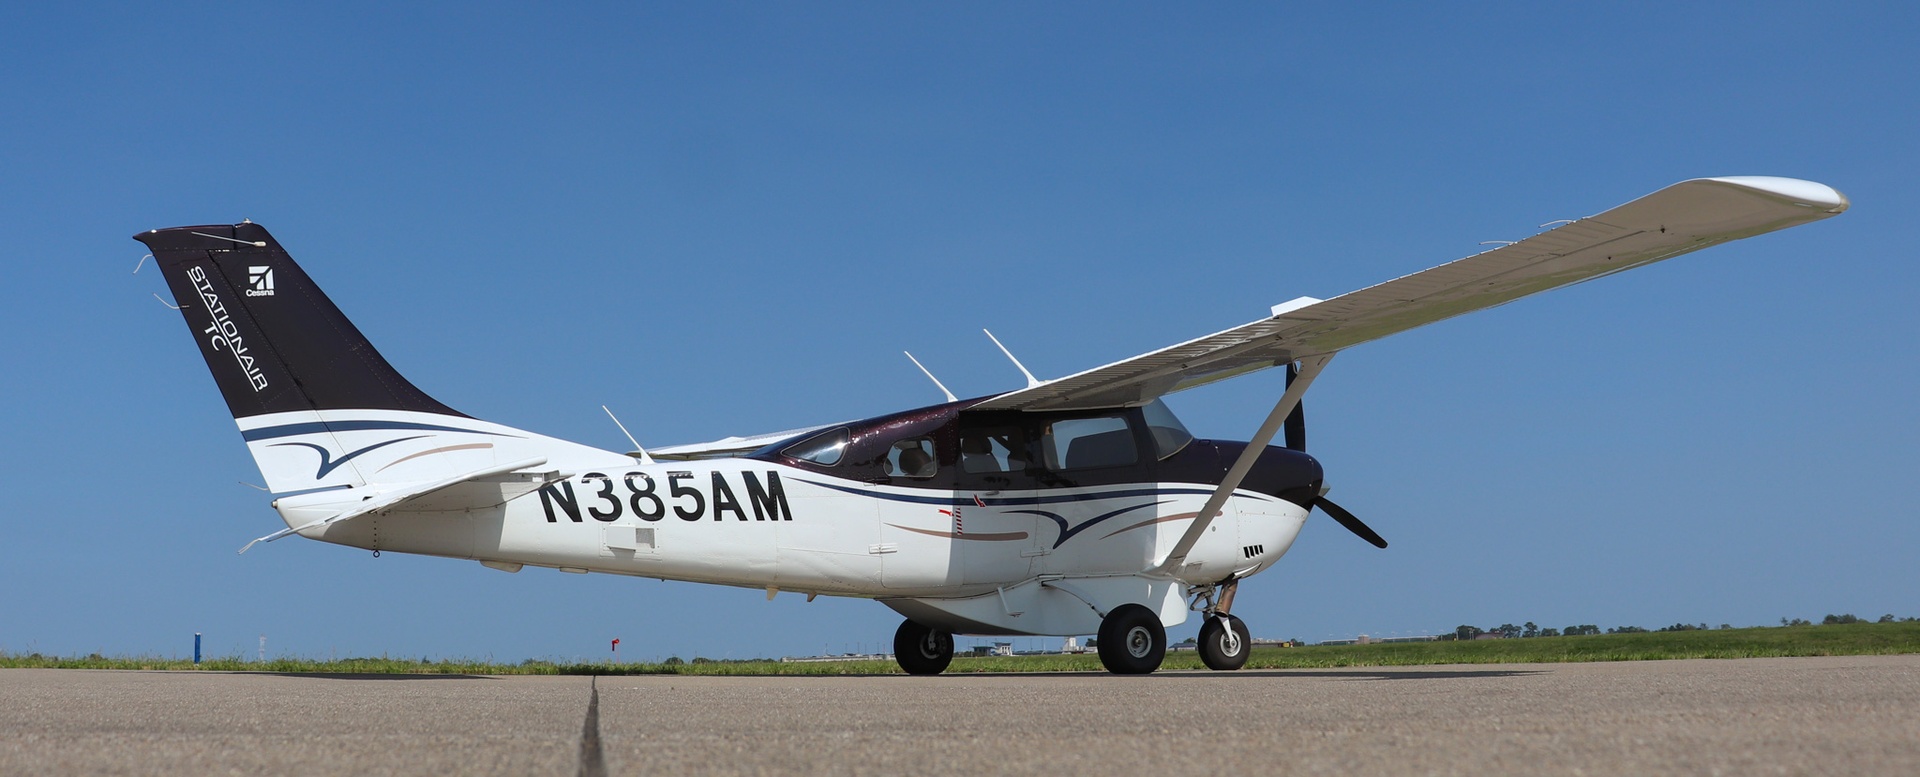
x=1809 y=194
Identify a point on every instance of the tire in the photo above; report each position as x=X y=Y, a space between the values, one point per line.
x=1224 y=647
x=922 y=650
x=1132 y=641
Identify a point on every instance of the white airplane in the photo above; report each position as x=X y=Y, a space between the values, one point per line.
x=1072 y=506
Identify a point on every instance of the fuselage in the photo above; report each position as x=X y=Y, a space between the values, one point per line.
x=930 y=503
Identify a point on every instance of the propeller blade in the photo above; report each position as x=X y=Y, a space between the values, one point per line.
x=1346 y=519
x=1296 y=424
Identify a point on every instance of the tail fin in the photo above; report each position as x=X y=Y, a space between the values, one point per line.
x=275 y=343
x=320 y=409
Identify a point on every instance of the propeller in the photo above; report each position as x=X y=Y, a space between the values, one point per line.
x=1346 y=519
x=1296 y=429
x=1296 y=424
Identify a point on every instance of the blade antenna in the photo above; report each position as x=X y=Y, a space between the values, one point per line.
x=644 y=458
x=1031 y=380
x=929 y=374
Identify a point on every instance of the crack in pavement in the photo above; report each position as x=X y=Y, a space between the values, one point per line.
x=592 y=762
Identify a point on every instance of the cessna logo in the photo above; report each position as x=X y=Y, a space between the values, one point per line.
x=259 y=281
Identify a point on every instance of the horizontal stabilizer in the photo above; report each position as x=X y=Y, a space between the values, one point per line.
x=477 y=490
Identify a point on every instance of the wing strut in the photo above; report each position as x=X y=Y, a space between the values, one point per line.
x=1309 y=369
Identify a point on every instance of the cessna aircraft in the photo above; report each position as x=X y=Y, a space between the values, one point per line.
x=1072 y=506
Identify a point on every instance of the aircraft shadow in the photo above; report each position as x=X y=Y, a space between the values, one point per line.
x=1191 y=674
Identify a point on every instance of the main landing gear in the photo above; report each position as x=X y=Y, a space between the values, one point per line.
x=922 y=650
x=1132 y=641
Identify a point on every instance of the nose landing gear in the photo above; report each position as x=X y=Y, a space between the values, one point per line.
x=1224 y=640
x=1224 y=643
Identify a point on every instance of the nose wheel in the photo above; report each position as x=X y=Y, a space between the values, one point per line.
x=922 y=650
x=1224 y=643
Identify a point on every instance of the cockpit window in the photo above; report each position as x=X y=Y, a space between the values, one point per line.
x=824 y=448
x=1077 y=443
x=912 y=458
x=1169 y=435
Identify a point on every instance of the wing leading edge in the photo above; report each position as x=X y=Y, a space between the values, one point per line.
x=1684 y=217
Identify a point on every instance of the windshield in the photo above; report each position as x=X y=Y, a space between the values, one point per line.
x=1169 y=435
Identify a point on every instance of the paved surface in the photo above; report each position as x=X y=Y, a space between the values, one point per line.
x=1856 y=715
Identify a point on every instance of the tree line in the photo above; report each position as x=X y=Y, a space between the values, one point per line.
x=1530 y=630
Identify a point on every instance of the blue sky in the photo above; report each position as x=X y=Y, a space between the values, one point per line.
x=731 y=219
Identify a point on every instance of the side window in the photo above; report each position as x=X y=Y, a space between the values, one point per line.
x=1079 y=443
x=998 y=449
x=912 y=458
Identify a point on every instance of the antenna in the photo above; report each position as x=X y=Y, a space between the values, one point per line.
x=644 y=458
x=254 y=243
x=1031 y=380
x=936 y=381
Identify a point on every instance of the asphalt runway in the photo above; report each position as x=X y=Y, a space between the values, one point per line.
x=1851 y=715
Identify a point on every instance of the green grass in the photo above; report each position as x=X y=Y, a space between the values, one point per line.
x=1829 y=640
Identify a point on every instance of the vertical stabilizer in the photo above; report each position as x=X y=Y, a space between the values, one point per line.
x=273 y=340
x=320 y=409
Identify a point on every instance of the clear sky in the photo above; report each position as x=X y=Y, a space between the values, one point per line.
x=732 y=219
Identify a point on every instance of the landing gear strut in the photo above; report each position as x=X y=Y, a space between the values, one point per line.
x=1132 y=641
x=922 y=650
x=1224 y=641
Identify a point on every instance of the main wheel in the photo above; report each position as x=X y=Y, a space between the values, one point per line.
x=1224 y=643
x=921 y=650
x=1132 y=641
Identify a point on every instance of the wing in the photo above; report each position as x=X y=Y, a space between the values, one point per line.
x=729 y=446
x=1686 y=216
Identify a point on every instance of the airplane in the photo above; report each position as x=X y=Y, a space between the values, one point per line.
x=1073 y=506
